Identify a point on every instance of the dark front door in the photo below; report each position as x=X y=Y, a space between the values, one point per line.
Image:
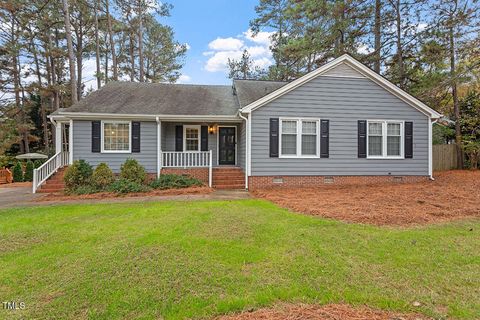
x=226 y=145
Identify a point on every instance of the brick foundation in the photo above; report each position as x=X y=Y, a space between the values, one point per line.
x=199 y=173
x=311 y=181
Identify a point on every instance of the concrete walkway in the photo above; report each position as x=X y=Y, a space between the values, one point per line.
x=11 y=197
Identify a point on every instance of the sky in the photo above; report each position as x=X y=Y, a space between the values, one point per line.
x=213 y=30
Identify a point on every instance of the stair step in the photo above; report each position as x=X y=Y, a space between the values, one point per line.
x=235 y=186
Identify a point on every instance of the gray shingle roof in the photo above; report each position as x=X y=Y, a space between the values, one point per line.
x=173 y=99
x=249 y=91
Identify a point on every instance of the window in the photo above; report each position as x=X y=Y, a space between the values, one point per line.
x=191 y=138
x=116 y=136
x=299 y=138
x=385 y=139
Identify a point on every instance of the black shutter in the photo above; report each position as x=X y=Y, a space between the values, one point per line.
x=362 y=138
x=324 y=137
x=408 y=139
x=274 y=137
x=135 y=136
x=178 y=138
x=96 y=136
x=204 y=138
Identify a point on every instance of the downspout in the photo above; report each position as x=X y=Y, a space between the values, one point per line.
x=247 y=133
x=430 y=147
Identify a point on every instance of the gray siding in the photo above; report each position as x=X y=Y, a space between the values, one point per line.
x=241 y=147
x=168 y=140
x=82 y=147
x=343 y=101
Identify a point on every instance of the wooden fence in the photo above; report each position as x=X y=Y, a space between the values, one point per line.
x=444 y=157
x=5 y=176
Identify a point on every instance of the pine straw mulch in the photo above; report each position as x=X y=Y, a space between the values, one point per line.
x=316 y=312
x=110 y=195
x=453 y=195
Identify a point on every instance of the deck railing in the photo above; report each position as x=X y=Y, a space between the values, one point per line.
x=42 y=173
x=196 y=159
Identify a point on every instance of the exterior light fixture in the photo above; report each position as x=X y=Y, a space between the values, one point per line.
x=211 y=129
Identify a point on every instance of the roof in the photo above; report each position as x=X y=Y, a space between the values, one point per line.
x=158 y=99
x=358 y=66
x=249 y=91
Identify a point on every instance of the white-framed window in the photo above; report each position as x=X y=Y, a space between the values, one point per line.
x=116 y=136
x=385 y=139
x=299 y=138
x=191 y=138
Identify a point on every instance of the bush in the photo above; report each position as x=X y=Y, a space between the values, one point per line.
x=7 y=161
x=131 y=170
x=174 y=181
x=77 y=175
x=102 y=176
x=37 y=163
x=87 y=189
x=123 y=186
x=28 y=171
x=18 y=173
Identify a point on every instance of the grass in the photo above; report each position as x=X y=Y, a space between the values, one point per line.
x=176 y=260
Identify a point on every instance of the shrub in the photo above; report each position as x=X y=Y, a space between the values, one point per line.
x=28 y=171
x=174 y=181
x=37 y=163
x=87 y=189
x=126 y=186
x=78 y=174
x=7 y=161
x=18 y=173
x=102 y=176
x=131 y=170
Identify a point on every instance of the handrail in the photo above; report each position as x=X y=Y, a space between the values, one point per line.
x=45 y=171
x=194 y=159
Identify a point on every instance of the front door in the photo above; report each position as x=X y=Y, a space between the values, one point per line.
x=226 y=145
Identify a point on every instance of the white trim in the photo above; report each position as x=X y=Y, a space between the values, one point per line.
x=191 y=126
x=102 y=137
x=430 y=146
x=218 y=145
x=384 y=155
x=58 y=137
x=406 y=97
x=90 y=115
x=246 y=149
x=249 y=144
x=299 y=138
x=70 y=143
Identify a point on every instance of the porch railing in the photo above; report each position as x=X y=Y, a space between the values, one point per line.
x=197 y=159
x=42 y=173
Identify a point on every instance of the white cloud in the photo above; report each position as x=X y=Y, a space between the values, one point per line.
x=222 y=49
x=226 y=44
x=364 y=49
x=187 y=46
x=184 y=79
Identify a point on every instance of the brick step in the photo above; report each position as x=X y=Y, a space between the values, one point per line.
x=50 y=190
x=233 y=174
x=233 y=186
x=227 y=181
x=53 y=185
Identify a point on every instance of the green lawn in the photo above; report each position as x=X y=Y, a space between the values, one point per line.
x=196 y=259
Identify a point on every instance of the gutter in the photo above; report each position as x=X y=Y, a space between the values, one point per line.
x=247 y=134
x=432 y=121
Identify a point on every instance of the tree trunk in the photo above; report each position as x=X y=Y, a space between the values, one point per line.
x=97 y=45
x=401 y=68
x=456 y=107
x=79 y=34
x=132 y=57
x=378 y=35
x=140 y=43
x=71 y=57
x=112 y=44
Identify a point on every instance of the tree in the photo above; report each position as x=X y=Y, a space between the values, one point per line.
x=244 y=68
x=18 y=172
x=71 y=57
x=470 y=126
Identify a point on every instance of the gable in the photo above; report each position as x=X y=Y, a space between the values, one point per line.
x=345 y=65
x=343 y=70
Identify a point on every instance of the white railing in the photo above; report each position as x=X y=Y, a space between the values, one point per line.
x=178 y=159
x=42 y=173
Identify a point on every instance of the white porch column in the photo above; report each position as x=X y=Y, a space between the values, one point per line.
x=58 y=137
x=70 y=143
x=159 y=147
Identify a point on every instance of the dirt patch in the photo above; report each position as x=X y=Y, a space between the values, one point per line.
x=16 y=185
x=453 y=195
x=109 y=195
x=314 y=312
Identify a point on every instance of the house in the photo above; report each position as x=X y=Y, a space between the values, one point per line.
x=342 y=123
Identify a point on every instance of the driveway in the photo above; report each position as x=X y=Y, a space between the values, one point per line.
x=16 y=195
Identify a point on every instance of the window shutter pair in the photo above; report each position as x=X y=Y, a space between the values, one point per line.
x=179 y=138
x=97 y=136
x=324 y=138
x=362 y=139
